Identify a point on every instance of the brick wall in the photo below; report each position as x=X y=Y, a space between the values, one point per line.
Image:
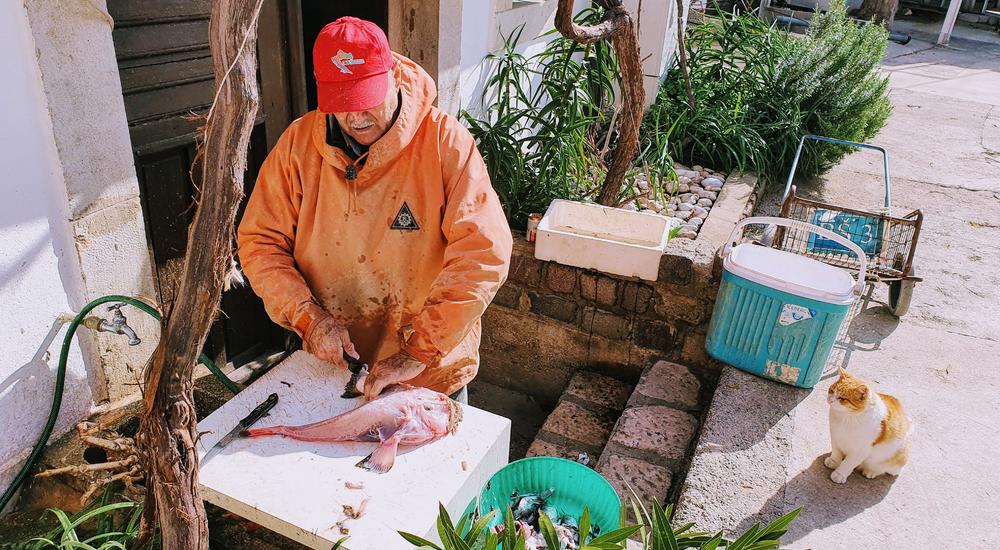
x=550 y=320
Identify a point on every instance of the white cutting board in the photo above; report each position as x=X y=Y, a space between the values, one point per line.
x=297 y=488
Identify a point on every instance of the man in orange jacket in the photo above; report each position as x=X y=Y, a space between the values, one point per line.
x=373 y=229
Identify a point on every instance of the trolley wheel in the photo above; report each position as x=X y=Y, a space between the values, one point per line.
x=900 y=294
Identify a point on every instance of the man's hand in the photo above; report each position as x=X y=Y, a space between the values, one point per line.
x=328 y=341
x=391 y=370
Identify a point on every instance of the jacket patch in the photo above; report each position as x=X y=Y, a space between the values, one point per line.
x=404 y=220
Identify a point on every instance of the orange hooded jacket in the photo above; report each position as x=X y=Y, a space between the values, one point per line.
x=408 y=255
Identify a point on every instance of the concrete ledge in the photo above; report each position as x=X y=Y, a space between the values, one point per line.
x=740 y=465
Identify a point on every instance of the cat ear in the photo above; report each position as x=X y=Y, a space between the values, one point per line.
x=843 y=373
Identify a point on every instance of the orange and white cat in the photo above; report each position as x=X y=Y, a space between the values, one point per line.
x=868 y=430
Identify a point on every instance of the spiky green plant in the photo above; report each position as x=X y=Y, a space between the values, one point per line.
x=654 y=529
x=95 y=527
x=760 y=89
x=833 y=78
x=545 y=120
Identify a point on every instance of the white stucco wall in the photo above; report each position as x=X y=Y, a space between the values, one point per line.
x=83 y=98
x=71 y=225
x=485 y=21
x=36 y=255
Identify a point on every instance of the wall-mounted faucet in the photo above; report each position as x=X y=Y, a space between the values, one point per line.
x=119 y=325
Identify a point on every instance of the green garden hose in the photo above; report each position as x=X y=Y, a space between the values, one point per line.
x=61 y=379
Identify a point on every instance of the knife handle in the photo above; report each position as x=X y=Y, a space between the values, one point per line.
x=354 y=365
x=260 y=411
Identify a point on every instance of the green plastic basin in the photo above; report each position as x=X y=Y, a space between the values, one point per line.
x=576 y=486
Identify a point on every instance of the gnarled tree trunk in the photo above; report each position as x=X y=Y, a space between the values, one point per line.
x=168 y=429
x=617 y=26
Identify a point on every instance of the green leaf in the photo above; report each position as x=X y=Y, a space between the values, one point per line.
x=616 y=536
x=746 y=539
x=102 y=510
x=109 y=535
x=548 y=530
x=478 y=528
x=584 y=525
x=778 y=527
x=418 y=541
x=340 y=542
x=68 y=533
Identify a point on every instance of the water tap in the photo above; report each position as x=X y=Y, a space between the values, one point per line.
x=119 y=325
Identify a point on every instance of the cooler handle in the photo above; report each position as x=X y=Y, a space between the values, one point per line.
x=803 y=226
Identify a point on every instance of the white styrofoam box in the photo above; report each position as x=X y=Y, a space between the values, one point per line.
x=296 y=488
x=607 y=239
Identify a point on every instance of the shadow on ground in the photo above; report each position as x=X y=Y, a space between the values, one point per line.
x=840 y=502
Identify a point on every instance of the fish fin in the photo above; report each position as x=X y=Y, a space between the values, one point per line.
x=382 y=458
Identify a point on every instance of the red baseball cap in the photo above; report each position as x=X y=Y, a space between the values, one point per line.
x=350 y=59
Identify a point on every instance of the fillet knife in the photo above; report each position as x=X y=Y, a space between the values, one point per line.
x=262 y=409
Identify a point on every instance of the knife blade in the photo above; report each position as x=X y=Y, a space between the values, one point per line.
x=259 y=411
x=358 y=369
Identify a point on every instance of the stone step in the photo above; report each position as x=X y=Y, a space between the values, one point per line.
x=649 y=443
x=583 y=419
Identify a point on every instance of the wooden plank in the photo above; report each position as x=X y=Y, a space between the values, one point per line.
x=297 y=488
x=296 y=58
x=174 y=100
x=272 y=60
x=157 y=135
x=147 y=40
x=163 y=58
x=151 y=77
x=126 y=12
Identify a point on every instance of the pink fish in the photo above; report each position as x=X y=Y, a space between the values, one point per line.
x=402 y=415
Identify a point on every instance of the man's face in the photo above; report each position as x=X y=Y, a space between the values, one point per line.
x=366 y=127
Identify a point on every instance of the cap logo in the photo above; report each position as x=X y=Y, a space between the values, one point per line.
x=343 y=59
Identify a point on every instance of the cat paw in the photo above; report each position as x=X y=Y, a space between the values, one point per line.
x=831 y=462
x=838 y=477
x=870 y=474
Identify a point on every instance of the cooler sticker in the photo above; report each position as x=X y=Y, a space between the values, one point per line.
x=792 y=313
x=782 y=372
x=404 y=220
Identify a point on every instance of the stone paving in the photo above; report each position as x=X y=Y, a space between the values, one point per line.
x=638 y=437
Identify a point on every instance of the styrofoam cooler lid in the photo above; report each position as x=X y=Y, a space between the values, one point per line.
x=791 y=273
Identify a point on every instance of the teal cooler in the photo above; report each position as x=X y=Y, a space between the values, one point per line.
x=777 y=314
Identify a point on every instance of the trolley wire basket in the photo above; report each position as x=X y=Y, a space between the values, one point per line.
x=888 y=241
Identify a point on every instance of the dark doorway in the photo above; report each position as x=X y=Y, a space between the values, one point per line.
x=165 y=67
x=317 y=13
